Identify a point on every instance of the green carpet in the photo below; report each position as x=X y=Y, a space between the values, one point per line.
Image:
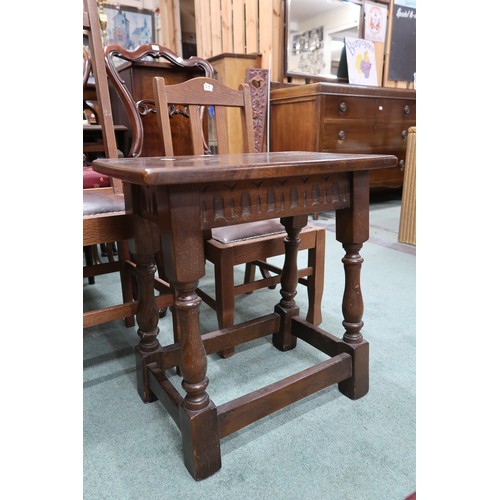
x=323 y=447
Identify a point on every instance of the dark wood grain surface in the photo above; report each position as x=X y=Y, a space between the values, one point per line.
x=233 y=167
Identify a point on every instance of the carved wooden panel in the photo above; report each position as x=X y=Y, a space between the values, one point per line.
x=258 y=80
x=223 y=205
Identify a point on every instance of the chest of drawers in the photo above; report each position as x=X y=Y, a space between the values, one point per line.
x=344 y=118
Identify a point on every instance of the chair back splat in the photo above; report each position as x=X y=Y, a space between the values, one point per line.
x=136 y=92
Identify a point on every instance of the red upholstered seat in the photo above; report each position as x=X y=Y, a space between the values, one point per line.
x=92 y=179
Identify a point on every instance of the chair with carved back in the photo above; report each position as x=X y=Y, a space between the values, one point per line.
x=136 y=93
x=139 y=107
x=104 y=218
x=251 y=242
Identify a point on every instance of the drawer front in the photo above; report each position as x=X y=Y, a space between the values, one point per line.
x=396 y=110
x=387 y=178
x=356 y=136
x=352 y=136
x=377 y=110
x=383 y=150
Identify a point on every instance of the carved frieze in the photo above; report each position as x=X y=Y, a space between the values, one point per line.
x=223 y=204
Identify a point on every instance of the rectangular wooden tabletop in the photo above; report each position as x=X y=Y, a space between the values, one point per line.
x=187 y=169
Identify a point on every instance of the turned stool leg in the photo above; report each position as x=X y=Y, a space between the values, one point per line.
x=143 y=250
x=352 y=228
x=184 y=256
x=198 y=415
x=287 y=308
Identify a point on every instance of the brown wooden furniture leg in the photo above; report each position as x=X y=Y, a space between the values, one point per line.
x=127 y=280
x=352 y=231
x=198 y=415
x=89 y=260
x=144 y=249
x=287 y=308
x=225 y=298
x=182 y=247
x=316 y=281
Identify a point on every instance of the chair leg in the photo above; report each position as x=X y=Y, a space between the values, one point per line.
x=126 y=278
x=89 y=260
x=163 y=275
x=266 y=274
x=315 y=282
x=108 y=249
x=249 y=273
x=95 y=255
x=224 y=296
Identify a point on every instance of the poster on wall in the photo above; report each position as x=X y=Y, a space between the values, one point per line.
x=361 y=62
x=375 y=22
x=403 y=53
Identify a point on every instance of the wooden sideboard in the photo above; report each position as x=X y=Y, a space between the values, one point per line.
x=344 y=118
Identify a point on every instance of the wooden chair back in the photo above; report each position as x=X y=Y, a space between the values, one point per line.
x=91 y=110
x=202 y=92
x=92 y=30
x=136 y=93
x=86 y=66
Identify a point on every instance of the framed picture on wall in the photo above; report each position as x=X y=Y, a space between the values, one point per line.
x=129 y=27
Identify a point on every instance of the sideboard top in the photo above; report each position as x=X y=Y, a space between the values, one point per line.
x=312 y=89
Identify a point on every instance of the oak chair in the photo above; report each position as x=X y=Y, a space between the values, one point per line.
x=134 y=89
x=137 y=104
x=104 y=218
x=251 y=242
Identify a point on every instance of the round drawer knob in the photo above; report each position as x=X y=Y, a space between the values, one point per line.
x=341 y=135
x=401 y=164
x=406 y=110
x=343 y=106
x=404 y=134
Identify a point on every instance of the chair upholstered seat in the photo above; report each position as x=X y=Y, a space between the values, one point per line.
x=102 y=201
x=93 y=179
x=247 y=231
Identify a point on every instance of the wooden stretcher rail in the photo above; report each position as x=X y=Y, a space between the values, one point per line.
x=318 y=338
x=99 y=316
x=232 y=336
x=164 y=390
x=240 y=412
